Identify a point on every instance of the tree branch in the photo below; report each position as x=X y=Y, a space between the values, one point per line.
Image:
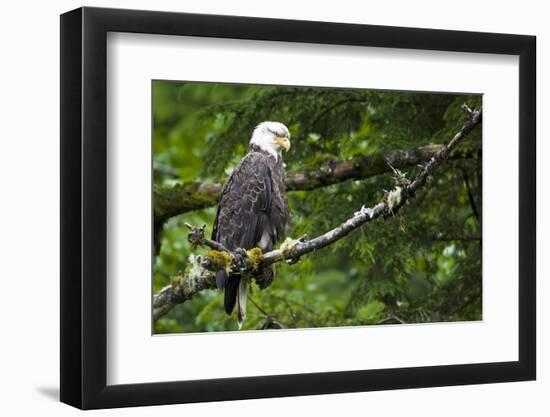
x=182 y=198
x=199 y=274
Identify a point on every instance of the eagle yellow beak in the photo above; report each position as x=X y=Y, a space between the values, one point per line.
x=283 y=142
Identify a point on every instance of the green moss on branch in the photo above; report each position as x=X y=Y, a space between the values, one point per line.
x=182 y=198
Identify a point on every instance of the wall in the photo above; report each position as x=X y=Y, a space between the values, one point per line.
x=29 y=174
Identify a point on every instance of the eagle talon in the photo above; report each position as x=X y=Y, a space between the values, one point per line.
x=240 y=257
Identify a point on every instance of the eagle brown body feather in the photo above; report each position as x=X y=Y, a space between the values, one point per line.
x=252 y=212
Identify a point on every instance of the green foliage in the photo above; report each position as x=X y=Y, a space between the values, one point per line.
x=423 y=265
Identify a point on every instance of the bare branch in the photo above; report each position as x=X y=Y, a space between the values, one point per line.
x=199 y=275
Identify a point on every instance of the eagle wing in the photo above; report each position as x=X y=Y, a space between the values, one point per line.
x=245 y=204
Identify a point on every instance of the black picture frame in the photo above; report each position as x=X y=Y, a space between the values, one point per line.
x=84 y=207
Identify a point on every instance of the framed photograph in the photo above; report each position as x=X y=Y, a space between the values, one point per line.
x=256 y=208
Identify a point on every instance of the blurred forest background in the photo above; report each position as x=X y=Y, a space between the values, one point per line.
x=422 y=265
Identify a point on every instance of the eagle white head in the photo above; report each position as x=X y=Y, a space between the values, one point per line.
x=271 y=137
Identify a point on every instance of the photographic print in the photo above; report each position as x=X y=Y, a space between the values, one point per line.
x=284 y=207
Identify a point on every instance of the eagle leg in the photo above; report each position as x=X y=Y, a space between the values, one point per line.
x=240 y=256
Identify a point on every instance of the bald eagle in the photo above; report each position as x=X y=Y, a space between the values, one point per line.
x=252 y=208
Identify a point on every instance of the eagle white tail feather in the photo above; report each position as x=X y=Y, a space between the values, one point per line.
x=242 y=295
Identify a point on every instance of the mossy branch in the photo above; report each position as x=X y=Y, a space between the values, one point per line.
x=199 y=274
x=186 y=197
